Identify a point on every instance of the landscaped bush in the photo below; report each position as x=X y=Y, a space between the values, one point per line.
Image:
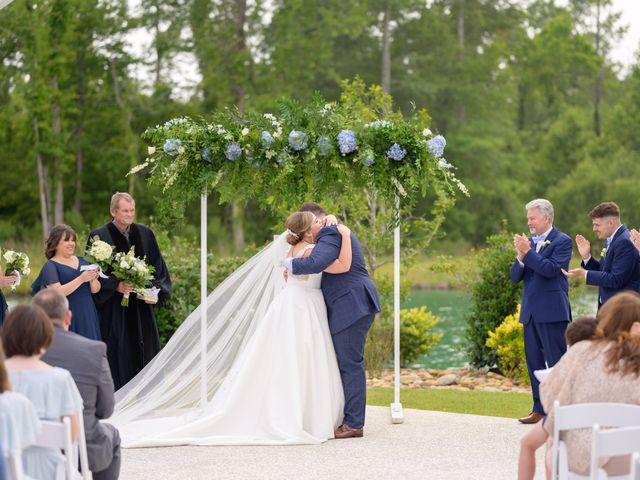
x=416 y=325
x=507 y=341
x=416 y=335
x=494 y=297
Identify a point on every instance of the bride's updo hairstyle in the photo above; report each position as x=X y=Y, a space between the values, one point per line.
x=297 y=225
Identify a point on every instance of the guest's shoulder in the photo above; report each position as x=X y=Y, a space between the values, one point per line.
x=564 y=237
x=15 y=401
x=95 y=347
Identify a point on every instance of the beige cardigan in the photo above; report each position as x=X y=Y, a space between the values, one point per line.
x=581 y=376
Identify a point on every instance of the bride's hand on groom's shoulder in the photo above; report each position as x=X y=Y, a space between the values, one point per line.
x=344 y=230
x=330 y=220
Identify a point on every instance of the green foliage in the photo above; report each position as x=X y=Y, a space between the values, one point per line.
x=507 y=341
x=417 y=338
x=494 y=297
x=283 y=175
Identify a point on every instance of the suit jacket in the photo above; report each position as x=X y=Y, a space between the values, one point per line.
x=86 y=360
x=618 y=270
x=349 y=296
x=545 y=297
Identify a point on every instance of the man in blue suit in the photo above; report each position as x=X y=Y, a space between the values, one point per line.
x=618 y=268
x=545 y=311
x=352 y=303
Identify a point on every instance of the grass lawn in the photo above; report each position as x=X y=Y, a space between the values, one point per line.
x=494 y=404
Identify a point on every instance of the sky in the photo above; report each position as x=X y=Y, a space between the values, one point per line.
x=625 y=51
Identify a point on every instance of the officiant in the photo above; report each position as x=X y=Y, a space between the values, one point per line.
x=130 y=332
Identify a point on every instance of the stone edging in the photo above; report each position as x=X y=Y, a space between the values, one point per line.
x=464 y=378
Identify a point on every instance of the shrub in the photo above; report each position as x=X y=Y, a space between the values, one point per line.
x=494 y=297
x=507 y=340
x=416 y=336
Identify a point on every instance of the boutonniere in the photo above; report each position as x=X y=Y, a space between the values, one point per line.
x=603 y=253
x=545 y=244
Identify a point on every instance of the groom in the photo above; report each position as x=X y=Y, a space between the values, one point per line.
x=352 y=303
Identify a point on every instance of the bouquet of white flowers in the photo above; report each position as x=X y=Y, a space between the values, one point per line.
x=100 y=253
x=135 y=271
x=17 y=264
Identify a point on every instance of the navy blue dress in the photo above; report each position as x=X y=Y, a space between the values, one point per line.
x=3 y=308
x=85 y=316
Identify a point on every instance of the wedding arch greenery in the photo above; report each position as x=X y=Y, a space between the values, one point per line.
x=317 y=150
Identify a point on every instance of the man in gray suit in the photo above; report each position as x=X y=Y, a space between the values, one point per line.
x=86 y=360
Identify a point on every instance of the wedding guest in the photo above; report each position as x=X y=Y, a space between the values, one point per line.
x=583 y=328
x=86 y=360
x=545 y=311
x=618 y=268
x=63 y=271
x=131 y=333
x=605 y=369
x=26 y=334
x=19 y=422
x=5 y=281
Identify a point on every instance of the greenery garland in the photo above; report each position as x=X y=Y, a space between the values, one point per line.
x=312 y=151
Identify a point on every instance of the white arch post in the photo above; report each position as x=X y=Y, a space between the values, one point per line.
x=397 y=415
x=203 y=302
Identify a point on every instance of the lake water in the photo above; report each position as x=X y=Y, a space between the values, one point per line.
x=452 y=306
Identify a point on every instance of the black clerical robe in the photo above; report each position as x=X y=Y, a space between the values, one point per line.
x=131 y=333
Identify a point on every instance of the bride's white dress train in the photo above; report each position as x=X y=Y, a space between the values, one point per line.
x=283 y=388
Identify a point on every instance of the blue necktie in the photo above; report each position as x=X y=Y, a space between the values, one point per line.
x=607 y=243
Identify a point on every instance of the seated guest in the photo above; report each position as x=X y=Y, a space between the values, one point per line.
x=583 y=328
x=604 y=369
x=86 y=360
x=19 y=423
x=26 y=334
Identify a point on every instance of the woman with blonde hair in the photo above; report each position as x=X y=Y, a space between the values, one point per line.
x=605 y=369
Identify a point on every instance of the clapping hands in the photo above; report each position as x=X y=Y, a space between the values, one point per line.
x=584 y=247
x=522 y=245
x=7 y=280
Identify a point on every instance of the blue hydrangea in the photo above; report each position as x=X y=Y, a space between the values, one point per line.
x=171 y=146
x=267 y=139
x=298 y=140
x=436 y=146
x=324 y=146
x=444 y=164
x=233 y=151
x=347 y=142
x=206 y=154
x=369 y=161
x=396 y=152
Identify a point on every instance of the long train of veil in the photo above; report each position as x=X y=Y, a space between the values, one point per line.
x=170 y=384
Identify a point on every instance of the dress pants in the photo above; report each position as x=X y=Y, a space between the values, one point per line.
x=349 y=346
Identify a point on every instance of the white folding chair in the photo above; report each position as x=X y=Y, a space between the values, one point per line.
x=15 y=465
x=635 y=466
x=611 y=443
x=585 y=415
x=58 y=435
x=82 y=449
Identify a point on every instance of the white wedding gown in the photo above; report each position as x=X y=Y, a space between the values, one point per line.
x=283 y=387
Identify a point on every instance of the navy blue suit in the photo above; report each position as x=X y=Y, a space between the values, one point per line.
x=352 y=302
x=618 y=270
x=545 y=311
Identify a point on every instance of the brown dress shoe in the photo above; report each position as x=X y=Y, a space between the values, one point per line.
x=345 y=431
x=534 y=417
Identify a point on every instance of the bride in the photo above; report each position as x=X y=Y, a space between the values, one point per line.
x=272 y=377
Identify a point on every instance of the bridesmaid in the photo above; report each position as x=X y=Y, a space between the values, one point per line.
x=62 y=271
x=5 y=281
